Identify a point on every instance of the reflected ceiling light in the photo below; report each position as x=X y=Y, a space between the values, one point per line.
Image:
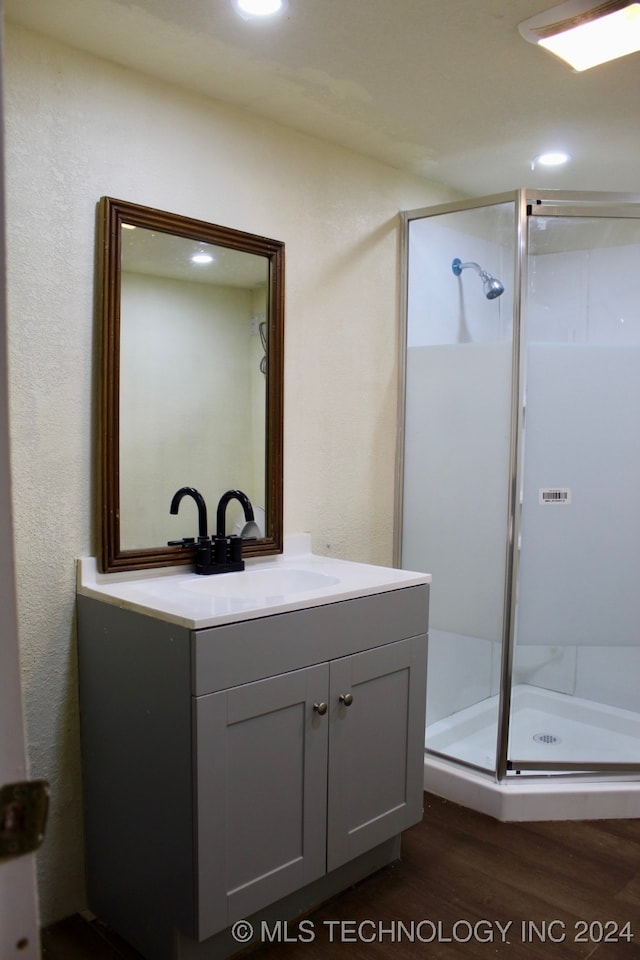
x=258 y=8
x=585 y=33
x=553 y=158
x=202 y=257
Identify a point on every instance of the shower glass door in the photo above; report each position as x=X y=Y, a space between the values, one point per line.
x=575 y=697
x=457 y=460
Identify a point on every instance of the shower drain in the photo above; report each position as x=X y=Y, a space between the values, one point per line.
x=546 y=738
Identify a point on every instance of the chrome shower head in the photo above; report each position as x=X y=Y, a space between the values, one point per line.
x=492 y=287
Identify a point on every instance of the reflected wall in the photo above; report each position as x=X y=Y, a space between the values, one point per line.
x=195 y=350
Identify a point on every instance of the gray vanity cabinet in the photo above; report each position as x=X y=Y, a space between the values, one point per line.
x=287 y=792
x=376 y=747
x=268 y=762
x=261 y=761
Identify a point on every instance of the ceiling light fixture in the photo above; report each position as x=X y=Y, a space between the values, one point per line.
x=585 y=33
x=258 y=8
x=202 y=257
x=553 y=158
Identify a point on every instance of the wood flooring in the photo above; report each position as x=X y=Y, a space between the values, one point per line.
x=468 y=887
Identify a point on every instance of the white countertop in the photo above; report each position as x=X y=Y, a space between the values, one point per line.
x=295 y=580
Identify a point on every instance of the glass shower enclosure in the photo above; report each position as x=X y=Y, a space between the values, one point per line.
x=519 y=477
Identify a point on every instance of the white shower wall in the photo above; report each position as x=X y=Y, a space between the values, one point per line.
x=578 y=596
x=457 y=431
x=443 y=308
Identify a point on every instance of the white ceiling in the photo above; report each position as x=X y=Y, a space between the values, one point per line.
x=447 y=89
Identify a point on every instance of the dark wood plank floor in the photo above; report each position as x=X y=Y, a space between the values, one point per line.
x=469 y=885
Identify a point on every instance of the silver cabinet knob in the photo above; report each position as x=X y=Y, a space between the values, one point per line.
x=320 y=708
x=346 y=698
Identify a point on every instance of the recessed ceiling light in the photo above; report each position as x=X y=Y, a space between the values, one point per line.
x=553 y=158
x=258 y=8
x=202 y=257
x=585 y=33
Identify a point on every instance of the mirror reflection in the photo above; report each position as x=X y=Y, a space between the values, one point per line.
x=193 y=375
x=192 y=380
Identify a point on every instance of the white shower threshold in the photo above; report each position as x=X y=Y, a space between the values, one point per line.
x=545 y=725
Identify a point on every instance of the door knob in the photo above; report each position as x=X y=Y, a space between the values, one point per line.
x=320 y=708
x=346 y=698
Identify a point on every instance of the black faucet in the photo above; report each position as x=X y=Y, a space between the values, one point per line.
x=219 y=554
x=242 y=499
x=203 y=552
x=202 y=507
x=228 y=549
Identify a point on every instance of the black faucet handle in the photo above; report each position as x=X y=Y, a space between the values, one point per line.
x=235 y=548
x=220 y=550
x=203 y=555
x=185 y=542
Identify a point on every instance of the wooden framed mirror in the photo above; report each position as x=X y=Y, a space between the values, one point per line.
x=192 y=381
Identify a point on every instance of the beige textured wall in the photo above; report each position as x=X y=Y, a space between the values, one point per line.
x=79 y=128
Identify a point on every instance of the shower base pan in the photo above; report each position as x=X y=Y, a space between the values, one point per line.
x=544 y=726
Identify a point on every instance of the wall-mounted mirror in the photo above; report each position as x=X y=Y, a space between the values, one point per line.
x=192 y=381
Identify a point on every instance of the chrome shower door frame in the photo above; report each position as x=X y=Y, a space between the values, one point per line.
x=542 y=203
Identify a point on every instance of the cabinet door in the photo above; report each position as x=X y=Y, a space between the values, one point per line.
x=261 y=761
x=376 y=746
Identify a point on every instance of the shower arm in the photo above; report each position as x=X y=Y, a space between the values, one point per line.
x=492 y=287
x=457 y=266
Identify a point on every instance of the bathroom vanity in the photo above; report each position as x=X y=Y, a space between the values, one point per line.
x=251 y=746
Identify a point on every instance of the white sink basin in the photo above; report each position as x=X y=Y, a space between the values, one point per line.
x=260 y=585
